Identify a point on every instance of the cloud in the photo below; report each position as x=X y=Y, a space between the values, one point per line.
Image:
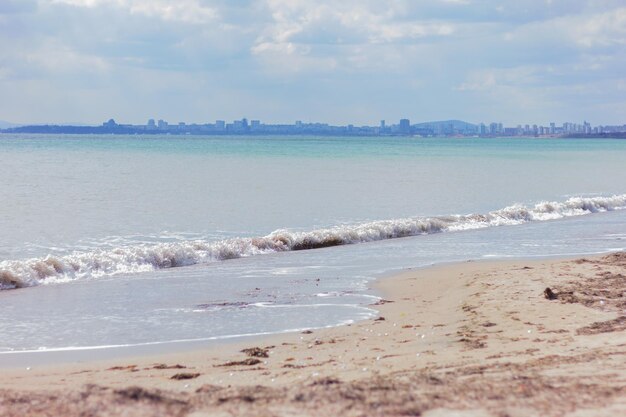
x=186 y=11
x=328 y=60
x=347 y=22
x=601 y=30
x=303 y=36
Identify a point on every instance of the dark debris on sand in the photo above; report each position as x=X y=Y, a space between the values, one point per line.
x=605 y=291
x=165 y=366
x=257 y=352
x=615 y=325
x=245 y=362
x=185 y=375
x=549 y=294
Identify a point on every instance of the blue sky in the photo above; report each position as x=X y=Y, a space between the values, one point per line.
x=350 y=61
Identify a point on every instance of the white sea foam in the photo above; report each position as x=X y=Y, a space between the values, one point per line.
x=149 y=257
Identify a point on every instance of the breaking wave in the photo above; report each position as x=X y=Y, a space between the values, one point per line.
x=141 y=258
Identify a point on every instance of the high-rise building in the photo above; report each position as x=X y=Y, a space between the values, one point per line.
x=404 y=126
x=482 y=129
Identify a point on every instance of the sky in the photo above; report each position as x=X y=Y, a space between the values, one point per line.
x=340 y=62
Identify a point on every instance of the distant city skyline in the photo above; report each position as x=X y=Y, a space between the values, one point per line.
x=403 y=127
x=355 y=61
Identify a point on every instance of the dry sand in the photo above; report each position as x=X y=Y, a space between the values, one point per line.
x=475 y=338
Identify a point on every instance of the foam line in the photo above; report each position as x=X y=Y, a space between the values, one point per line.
x=149 y=257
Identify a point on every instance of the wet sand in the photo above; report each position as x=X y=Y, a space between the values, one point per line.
x=474 y=338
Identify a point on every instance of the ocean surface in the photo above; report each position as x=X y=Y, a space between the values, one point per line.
x=109 y=241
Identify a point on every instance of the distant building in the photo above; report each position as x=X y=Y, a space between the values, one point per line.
x=162 y=124
x=404 y=126
x=151 y=125
x=238 y=126
x=482 y=129
x=110 y=123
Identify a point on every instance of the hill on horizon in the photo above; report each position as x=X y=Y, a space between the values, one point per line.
x=5 y=125
x=456 y=124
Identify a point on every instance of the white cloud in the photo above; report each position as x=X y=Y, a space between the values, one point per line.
x=584 y=30
x=304 y=35
x=479 y=82
x=54 y=58
x=392 y=32
x=289 y=58
x=493 y=78
x=188 y=11
x=356 y=21
x=604 y=29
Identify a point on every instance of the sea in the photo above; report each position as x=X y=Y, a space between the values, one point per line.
x=111 y=243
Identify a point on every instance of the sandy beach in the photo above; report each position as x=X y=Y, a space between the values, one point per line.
x=505 y=338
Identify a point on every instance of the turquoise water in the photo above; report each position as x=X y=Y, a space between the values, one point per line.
x=313 y=147
x=155 y=239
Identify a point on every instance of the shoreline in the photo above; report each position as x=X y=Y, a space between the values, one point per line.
x=474 y=335
x=376 y=289
x=72 y=355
